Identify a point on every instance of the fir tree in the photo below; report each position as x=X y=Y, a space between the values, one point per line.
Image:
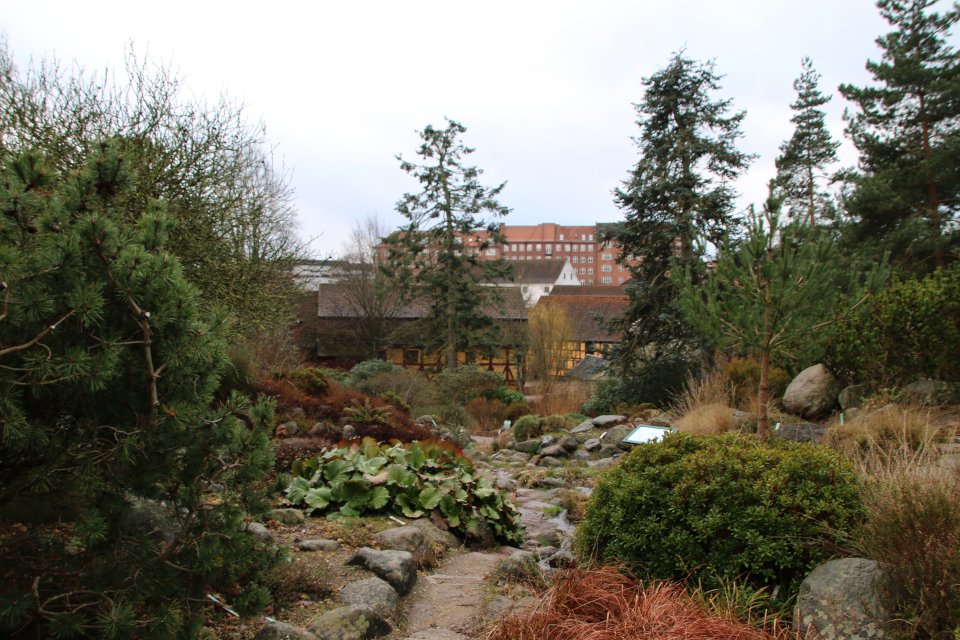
x=804 y=158
x=906 y=191
x=109 y=366
x=679 y=190
x=428 y=256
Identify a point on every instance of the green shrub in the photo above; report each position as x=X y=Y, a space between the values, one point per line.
x=713 y=508
x=912 y=330
x=515 y=410
x=470 y=381
x=367 y=369
x=367 y=413
x=743 y=374
x=413 y=480
x=526 y=427
x=396 y=401
x=456 y=420
x=311 y=381
x=505 y=395
x=656 y=383
x=412 y=387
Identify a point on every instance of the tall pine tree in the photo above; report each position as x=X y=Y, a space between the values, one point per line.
x=805 y=157
x=428 y=256
x=680 y=190
x=906 y=191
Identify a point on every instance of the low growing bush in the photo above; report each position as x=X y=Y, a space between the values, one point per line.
x=488 y=414
x=470 y=381
x=412 y=387
x=412 y=480
x=742 y=375
x=368 y=369
x=714 y=508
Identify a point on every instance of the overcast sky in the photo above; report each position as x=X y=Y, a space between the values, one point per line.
x=545 y=89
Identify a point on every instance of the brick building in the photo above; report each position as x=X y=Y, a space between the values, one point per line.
x=595 y=263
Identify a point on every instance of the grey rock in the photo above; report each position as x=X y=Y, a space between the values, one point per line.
x=553 y=483
x=396 y=567
x=544 y=552
x=549 y=461
x=602 y=462
x=801 y=432
x=593 y=444
x=586 y=425
x=608 y=451
x=297 y=413
x=282 y=631
x=932 y=392
x=519 y=457
x=426 y=420
x=562 y=559
x=409 y=539
x=580 y=454
x=321 y=429
x=527 y=446
x=852 y=397
x=519 y=563
x=605 y=422
x=287 y=516
x=288 y=429
x=374 y=593
x=435 y=534
x=505 y=483
x=476 y=455
x=554 y=451
x=356 y=622
x=318 y=545
x=260 y=532
x=569 y=443
x=739 y=418
x=349 y=432
x=497 y=607
x=839 y=600
x=547 y=441
x=484 y=537
x=615 y=437
x=813 y=393
x=664 y=420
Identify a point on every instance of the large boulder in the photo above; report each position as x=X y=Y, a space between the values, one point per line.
x=605 y=422
x=408 y=539
x=615 y=437
x=839 y=601
x=396 y=567
x=586 y=425
x=318 y=545
x=527 y=446
x=932 y=392
x=435 y=534
x=260 y=532
x=608 y=451
x=374 y=593
x=813 y=393
x=282 y=631
x=356 y=622
x=593 y=444
x=287 y=516
x=554 y=451
x=569 y=443
x=801 y=432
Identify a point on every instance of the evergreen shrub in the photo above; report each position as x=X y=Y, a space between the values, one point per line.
x=470 y=381
x=715 y=508
x=367 y=369
x=743 y=375
x=911 y=330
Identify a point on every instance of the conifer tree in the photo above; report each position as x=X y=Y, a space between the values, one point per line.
x=906 y=190
x=428 y=256
x=679 y=190
x=109 y=366
x=804 y=158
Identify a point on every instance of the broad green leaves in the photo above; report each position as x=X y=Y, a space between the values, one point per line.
x=412 y=480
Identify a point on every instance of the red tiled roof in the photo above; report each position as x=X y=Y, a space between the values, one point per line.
x=336 y=301
x=580 y=310
x=587 y=290
x=536 y=271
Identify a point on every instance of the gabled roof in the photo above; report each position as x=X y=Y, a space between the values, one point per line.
x=581 y=309
x=587 y=290
x=339 y=301
x=535 y=271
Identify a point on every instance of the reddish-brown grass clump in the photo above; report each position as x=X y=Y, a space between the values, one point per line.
x=604 y=604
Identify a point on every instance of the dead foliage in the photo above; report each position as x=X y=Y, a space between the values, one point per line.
x=604 y=604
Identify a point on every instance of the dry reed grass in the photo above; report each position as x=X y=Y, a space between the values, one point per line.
x=703 y=407
x=603 y=604
x=706 y=419
x=561 y=398
x=888 y=442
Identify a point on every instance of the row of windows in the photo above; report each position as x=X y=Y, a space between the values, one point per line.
x=609 y=280
x=582 y=248
x=585 y=259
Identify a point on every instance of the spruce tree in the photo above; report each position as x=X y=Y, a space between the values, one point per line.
x=804 y=158
x=428 y=257
x=679 y=190
x=110 y=362
x=905 y=193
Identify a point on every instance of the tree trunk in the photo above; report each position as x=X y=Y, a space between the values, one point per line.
x=764 y=395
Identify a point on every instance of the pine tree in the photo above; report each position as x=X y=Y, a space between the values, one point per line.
x=428 y=257
x=906 y=191
x=679 y=190
x=109 y=366
x=804 y=158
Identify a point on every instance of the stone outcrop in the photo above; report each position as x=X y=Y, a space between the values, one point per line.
x=356 y=622
x=813 y=393
x=398 y=568
x=410 y=539
x=374 y=593
x=838 y=601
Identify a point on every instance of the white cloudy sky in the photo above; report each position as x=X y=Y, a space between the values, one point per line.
x=545 y=89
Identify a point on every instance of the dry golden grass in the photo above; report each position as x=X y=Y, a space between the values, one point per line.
x=706 y=419
x=566 y=396
x=889 y=440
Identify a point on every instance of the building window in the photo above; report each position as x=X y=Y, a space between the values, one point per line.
x=607 y=256
x=539 y=247
x=576 y=247
x=590 y=259
x=491 y=252
x=561 y=237
x=606 y=268
x=549 y=249
x=538 y=257
x=620 y=279
x=583 y=271
x=590 y=282
x=546 y=289
x=559 y=248
x=606 y=280
x=620 y=268
x=583 y=248
x=591 y=246
x=590 y=271
x=567 y=247
x=575 y=259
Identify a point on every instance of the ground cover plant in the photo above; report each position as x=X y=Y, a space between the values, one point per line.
x=719 y=508
x=414 y=480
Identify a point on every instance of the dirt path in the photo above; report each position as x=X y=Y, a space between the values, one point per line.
x=448 y=602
